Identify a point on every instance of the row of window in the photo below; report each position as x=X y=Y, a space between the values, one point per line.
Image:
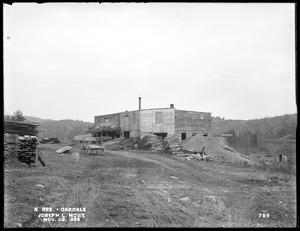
x=106 y=120
x=158 y=118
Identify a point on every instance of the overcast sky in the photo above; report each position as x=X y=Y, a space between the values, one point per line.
x=75 y=61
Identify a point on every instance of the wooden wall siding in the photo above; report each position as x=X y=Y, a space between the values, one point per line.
x=149 y=125
x=133 y=118
x=113 y=119
x=192 y=121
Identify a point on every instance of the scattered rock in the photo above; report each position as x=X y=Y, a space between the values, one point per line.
x=107 y=220
x=23 y=164
x=185 y=199
x=174 y=177
x=40 y=185
x=18 y=225
x=214 y=201
x=143 y=182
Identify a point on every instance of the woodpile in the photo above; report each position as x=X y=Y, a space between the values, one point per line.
x=27 y=149
x=128 y=144
x=172 y=145
x=147 y=142
x=151 y=142
x=20 y=128
x=10 y=141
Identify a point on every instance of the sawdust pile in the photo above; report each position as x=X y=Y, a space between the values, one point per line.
x=215 y=146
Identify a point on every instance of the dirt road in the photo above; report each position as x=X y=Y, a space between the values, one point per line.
x=143 y=189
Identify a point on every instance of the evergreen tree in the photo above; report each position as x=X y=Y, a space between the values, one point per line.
x=18 y=116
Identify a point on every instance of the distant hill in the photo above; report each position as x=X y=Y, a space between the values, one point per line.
x=249 y=132
x=64 y=130
x=34 y=119
x=268 y=127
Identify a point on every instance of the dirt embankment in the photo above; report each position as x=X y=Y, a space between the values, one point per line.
x=215 y=146
x=144 y=189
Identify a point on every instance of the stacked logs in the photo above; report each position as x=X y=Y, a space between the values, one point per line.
x=151 y=142
x=27 y=149
x=172 y=145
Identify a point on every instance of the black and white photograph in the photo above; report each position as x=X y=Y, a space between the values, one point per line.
x=149 y=115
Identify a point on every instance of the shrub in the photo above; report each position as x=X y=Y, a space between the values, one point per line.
x=283 y=167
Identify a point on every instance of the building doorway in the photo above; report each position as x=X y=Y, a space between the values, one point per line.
x=162 y=135
x=183 y=136
x=126 y=135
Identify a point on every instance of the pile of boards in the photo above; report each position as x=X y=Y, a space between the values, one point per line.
x=10 y=144
x=20 y=128
x=20 y=139
x=27 y=149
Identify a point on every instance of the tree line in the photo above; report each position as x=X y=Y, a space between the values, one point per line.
x=64 y=130
x=249 y=133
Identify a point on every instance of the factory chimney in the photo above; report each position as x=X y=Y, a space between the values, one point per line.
x=139 y=103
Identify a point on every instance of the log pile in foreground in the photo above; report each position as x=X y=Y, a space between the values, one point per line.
x=27 y=149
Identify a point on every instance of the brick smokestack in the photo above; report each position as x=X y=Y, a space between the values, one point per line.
x=140 y=103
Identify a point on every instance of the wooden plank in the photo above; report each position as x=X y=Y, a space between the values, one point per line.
x=64 y=149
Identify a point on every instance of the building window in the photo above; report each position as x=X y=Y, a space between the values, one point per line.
x=159 y=117
x=106 y=120
x=194 y=133
x=126 y=124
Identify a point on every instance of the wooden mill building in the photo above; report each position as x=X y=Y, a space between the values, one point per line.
x=159 y=121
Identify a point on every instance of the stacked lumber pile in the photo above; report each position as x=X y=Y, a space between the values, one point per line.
x=27 y=149
x=20 y=128
x=172 y=145
x=151 y=142
x=10 y=141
